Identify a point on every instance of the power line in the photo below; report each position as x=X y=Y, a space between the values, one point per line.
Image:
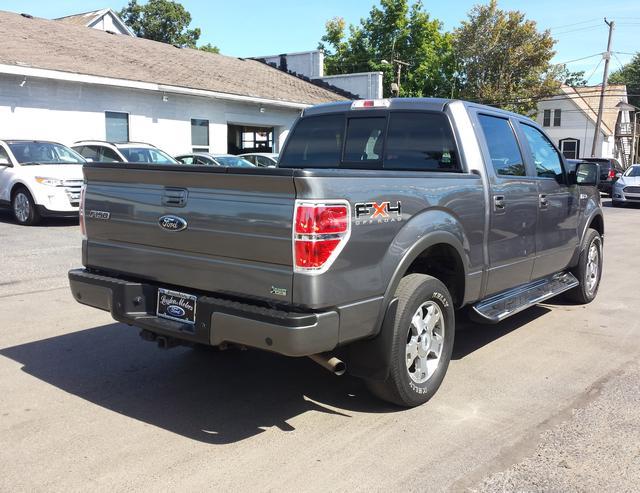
x=574 y=24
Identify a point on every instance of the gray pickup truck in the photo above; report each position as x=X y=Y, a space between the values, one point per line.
x=384 y=218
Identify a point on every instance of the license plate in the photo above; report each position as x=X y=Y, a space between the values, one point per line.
x=176 y=306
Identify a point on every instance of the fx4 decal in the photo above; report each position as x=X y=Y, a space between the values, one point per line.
x=375 y=213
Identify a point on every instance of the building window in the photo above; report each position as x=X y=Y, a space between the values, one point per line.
x=557 y=115
x=117 y=126
x=546 y=119
x=200 y=135
x=570 y=148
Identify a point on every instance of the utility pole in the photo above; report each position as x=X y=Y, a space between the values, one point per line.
x=395 y=86
x=605 y=79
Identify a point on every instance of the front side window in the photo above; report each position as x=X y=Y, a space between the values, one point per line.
x=29 y=152
x=200 y=133
x=117 y=126
x=504 y=151
x=546 y=158
x=234 y=162
x=146 y=155
x=365 y=137
x=420 y=141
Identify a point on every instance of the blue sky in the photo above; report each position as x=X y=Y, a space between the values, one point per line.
x=258 y=27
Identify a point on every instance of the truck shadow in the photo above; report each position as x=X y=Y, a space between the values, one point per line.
x=6 y=216
x=205 y=395
x=209 y=396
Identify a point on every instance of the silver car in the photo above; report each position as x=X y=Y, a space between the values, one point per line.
x=627 y=188
x=262 y=159
x=206 y=158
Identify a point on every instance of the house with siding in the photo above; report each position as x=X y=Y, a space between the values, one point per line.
x=61 y=80
x=570 y=117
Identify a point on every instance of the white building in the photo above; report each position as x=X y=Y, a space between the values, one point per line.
x=64 y=82
x=363 y=85
x=570 y=120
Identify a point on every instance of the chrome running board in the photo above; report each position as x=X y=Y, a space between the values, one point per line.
x=507 y=303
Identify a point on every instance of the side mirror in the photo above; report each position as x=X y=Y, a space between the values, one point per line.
x=587 y=174
x=618 y=176
x=4 y=161
x=88 y=159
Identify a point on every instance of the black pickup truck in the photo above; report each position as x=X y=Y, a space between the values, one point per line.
x=383 y=219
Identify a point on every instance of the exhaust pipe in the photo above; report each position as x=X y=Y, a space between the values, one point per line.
x=331 y=363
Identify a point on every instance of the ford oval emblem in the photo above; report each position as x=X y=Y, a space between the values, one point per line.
x=172 y=223
x=175 y=311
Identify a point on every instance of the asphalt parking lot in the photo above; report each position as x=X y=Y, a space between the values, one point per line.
x=546 y=401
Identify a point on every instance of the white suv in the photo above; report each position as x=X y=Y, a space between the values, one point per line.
x=39 y=179
x=121 y=152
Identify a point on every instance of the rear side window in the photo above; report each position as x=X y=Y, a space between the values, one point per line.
x=316 y=143
x=420 y=141
x=502 y=144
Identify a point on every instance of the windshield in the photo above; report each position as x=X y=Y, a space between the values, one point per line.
x=233 y=161
x=44 y=153
x=146 y=155
x=634 y=171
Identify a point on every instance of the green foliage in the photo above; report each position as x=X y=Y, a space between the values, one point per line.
x=161 y=20
x=399 y=31
x=210 y=48
x=629 y=74
x=504 y=60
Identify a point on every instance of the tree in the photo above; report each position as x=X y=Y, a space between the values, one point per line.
x=161 y=20
x=504 y=60
x=629 y=74
x=210 y=48
x=393 y=31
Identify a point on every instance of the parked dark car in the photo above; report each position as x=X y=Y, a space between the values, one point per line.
x=609 y=169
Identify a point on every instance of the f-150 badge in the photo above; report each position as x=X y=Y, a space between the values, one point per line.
x=376 y=213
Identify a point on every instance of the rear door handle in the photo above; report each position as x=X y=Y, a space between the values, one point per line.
x=498 y=203
x=543 y=201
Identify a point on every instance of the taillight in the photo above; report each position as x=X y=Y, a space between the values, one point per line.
x=320 y=231
x=83 y=227
x=612 y=174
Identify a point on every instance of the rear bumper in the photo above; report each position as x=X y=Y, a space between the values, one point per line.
x=217 y=320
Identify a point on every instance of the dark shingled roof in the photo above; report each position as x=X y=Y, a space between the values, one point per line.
x=54 y=45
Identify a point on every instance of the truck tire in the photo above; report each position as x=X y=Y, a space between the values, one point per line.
x=24 y=207
x=589 y=269
x=421 y=343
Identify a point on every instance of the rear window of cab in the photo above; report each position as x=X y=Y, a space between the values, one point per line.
x=396 y=140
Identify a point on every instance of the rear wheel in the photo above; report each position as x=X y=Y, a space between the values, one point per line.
x=422 y=342
x=24 y=207
x=589 y=269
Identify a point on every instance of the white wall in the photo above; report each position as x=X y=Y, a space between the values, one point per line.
x=575 y=125
x=366 y=85
x=307 y=63
x=67 y=112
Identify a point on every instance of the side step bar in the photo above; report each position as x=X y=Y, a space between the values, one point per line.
x=515 y=300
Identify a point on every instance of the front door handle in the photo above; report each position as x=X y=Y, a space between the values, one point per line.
x=498 y=203
x=543 y=201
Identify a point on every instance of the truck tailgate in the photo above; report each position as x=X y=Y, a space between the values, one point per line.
x=237 y=237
